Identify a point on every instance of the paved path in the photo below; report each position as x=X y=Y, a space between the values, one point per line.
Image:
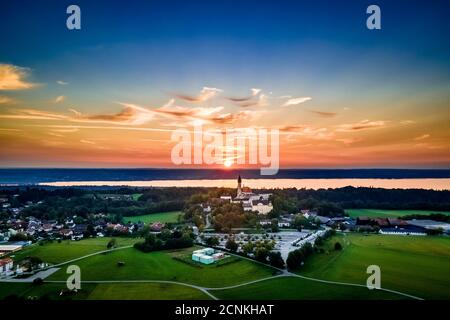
x=41 y=274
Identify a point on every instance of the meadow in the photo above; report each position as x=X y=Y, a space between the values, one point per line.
x=414 y=265
x=378 y=213
x=165 y=217
x=104 y=291
x=292 y=288
x=165 y=265
x=56 y=252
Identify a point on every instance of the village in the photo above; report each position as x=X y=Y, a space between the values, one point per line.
x=281 y=235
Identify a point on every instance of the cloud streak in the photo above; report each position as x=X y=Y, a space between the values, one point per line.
x=205 y=94
x=361 y=125
x=295 y=101
x=59 y=99
x=324 y=114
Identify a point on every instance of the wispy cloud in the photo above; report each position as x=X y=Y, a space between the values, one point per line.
x=63 y=83
x=13 y=78
x=349 y=140
x=32 y=114
x=324 y=114
x=422 y=137
x=130 y=114
x=59 y=99
x=87 y=141
x=205 y=94
x=255 y=91
x=361 y=125
x=256 y=99
x=295 y=101
x=6 y=100
x=308 y=131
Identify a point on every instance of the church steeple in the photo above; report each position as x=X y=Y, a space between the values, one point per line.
x=239 y=185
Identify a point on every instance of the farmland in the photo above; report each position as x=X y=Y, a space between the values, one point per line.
x=378 y=213
x=164 y=217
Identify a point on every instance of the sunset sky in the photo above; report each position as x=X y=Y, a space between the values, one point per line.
x=110 y=94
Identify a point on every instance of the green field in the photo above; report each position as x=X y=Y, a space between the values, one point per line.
x=66 y=250
x=165 y=217
x=165 y=265
x=291 y=288
x=136 y=196
x=376 y=213
x=146 y=291
x=107 y=291
x=414 y=265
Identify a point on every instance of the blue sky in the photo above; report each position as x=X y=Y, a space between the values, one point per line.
x=146 y=52
x=183 y=44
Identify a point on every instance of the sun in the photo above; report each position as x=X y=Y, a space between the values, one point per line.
x=228 y=163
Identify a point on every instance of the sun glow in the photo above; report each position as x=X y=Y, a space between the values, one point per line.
x=228 y=163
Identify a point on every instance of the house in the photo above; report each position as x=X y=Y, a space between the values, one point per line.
x=6 y=266
x=66 y=232
x=404 y=230
x=47 y=227
x=263 y=206
x=284 y=223
x=79 y=229
x=321 y=219
x=393 y=222
x=265 y=222
x=9 y=248
x=226 y=198
x=206 y=207
x=157 y=226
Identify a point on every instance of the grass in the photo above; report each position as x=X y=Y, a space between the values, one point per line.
x=291 y=288
x=136 y=196
x=376 y=213
x=66 y=250
x=108 y=291
x=146 y=291
x=161 y=265
x=414 y=265
x=165 y=217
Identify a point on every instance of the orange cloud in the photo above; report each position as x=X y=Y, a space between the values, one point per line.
x=324 y=114
x=422 y=137
x=205 y=94
x=295 y=101
x=362 y=125
x=13 y=78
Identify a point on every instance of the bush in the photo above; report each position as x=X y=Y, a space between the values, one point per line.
x=337 y=246
x=231 y=245
x=276 y=260
x=176 y=240
x=212 y=241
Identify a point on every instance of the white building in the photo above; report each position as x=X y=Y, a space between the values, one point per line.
x=6 y=267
